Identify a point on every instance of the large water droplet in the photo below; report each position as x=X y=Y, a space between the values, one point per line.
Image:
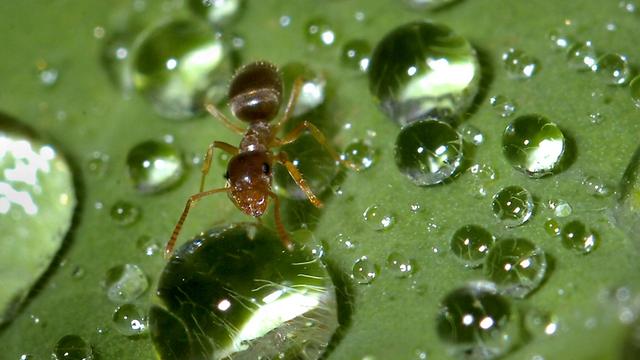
x=517 y=266
x=513 y=205
x=72 y=347
x=236 y=293
x=519 y=65
x=428 y=151
x=577 y=236
x=534 y=145
x=477 y=323
x=217 y=12
x=471 y=243
x=614 y=69
x=129 y=320
x=154 y=166
x=423 y=69
x=125 y=283
x=179 y=65
x=364 y=271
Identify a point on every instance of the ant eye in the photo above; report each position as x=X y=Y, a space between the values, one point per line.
x=265 y=168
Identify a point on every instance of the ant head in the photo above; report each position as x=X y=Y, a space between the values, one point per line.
x=249 y=177
x=255 y=92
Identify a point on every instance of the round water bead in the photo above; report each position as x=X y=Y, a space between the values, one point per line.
x=596 y=186
x=534 y=145
x=356 y=54
x=422 y=69
x=364 y=271
x=125 y=283
x=614 y=69
x=561 y=208
x=504 y=106
x=513 y=205
x=518 y=64
x=319 y=32
x=124 y=213
x=217 y=12
x=179 y=65
x=541 y=323
x=129 y=321
x=98 y=163
x=360 y=153
x=428 y=4
x=634 y=89
x=428 y=151
x=471 y=134
x=236 y=292
x=471 y=243
x=72 y=347
x=560 y=39
x=482 y=176
x=582 y=56
x=154 y=166
x=477 y=323
x=378 y=218
x=577 y=236
x=516 y=266
x=399 y=265
x=312 y=93
x=552 y=227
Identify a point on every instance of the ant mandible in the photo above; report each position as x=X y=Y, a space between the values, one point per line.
x=255 y=96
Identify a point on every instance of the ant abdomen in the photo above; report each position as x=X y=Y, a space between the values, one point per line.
x=255 y=93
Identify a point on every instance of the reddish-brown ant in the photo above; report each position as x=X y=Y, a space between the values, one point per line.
x=255 y=96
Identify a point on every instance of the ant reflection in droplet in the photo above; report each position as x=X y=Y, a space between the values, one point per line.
x=255 y=97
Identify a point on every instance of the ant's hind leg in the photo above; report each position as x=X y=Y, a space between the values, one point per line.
x=283 y=159
x=206 y=164
x=284 y=237
x=291 y=104
x=190 y=203
x=213 y=110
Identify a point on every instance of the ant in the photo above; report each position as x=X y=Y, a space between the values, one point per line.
x=255 y=97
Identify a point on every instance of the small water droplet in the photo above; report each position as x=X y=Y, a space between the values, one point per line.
x=628 y=6
x=148 y=245
x=560 y=39
x=360 y=153
x=312 y=93
x=582 y=56
x=561 y=208
x=345 y=241
x=26 y=357
x=124 y=213
x=552 y=227
x=513 y=205
x=504 y=106
x=378 y=218
x=72 y=347
x=471 y=134
x=519 y=65
x=482 y=177
x=319 y=33
x=534 y=145
x=577 y=236
x=423 y=69
x=399 y=265
x=516 y=266
x=596 y=186
x=364 y=271
x=428 y=4
x=98 y=163
x=471 y=243
x=216 y=12
x=154 y=166
x=428 y=152
x=356 y=54
x=129 y=321
x=613 y=69
x=596 y=118
x=634 y=89
x=284 y=21
x=125 y=283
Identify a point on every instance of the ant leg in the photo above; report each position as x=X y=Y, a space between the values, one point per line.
x=213 y=110
x=319 y=136
x=206 y=164
x=297 y=177
x=291 y=104
x=284 y=237
x=190 y=203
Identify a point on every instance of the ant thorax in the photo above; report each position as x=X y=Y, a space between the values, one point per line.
x=257 y=138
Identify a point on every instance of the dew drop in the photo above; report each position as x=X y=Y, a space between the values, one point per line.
x=582 y=56
x=312 y=94
x=634 y=89
x=552 y=227
x=179 y=65
x=513 y=205
x=378 y=218
x=560 y=39
x=482 y=177
x=129 y=321
x=124 y=213
x=364 y=271
x=516 y=266
x=577 y=236
x=428 y=152
x=428 y=4
x=148 y=245
x=471 y=134
x=72 y=347
x=154 y=166
x=596 y=186
x=356 y=55
x=504 y=106
x=235 y=292
x=596 y=118
x=613 y=69
x=540 y=323
x=345 y=241
x=125 y=283
x=561 y=208
x=98 y=163
x=360 y=153
x=421 y=70
x=471 y=243
x=477 y=323
x=319 y=33
x=519 y=65
x=216 y=12
x=399 y=265
x=534 y=145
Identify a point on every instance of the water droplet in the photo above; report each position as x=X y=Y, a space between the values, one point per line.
x=235 y=292
x=364 y=271
x=596 y=118
x=98 y=163
x=359 y=153
x=582 y=56
x=471 y=243
x=216 y=12
x=307 y=242
x=504 y=106
x=124 y=213
x=596 y=186
x=26 y=357
x=561 y=208
x=378 y=218
x=560 y=39
x=125 y=283
x=148 y=245
x=614 y=69
x=179 y=65
x=534 y=145
x=154 y=166
x=345 y=241
x=516 y=266
x=284 y=21
x=577 y=236
x=477 y=323
x=482 y=177
x=421 y=70
x=312 y=94
x=634 y=89
x=519 y=65
x=428 y=151
x=129 y=321
x=356 y=54
x=399 y=265
x=513 y=205
x=541 y=323
x=428 y=4
x=72 y=347
x=552 y=227
x=471 y=134
x=628 y=6
x=319 y=33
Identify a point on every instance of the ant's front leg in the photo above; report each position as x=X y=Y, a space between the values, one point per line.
x=283 y=159
x=206 y=164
